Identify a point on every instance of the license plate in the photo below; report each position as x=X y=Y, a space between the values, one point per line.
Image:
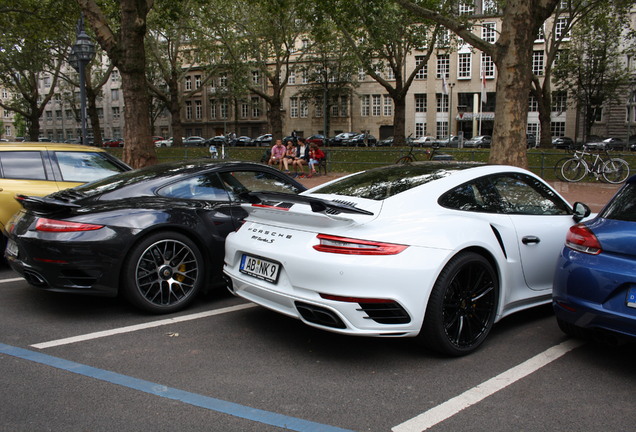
x=260 y=268
x=12 y=248
x=631 y=297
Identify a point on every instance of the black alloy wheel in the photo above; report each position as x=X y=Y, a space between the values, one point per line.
x=163 y=273
x=462 y=307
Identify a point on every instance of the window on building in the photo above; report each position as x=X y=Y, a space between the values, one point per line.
x=388 y=106
x=245 y=109
x=100 y=113
x=291 y=79
x=561 y=28
x=7 y=131
x=224 y=108
x=489 y=32
x=188 y=83
x=344 y=106
x=335 y=107
x=188 y=110
x=116 y=112
x=362 y=74
x=69 y=114
x=420 y=129
x=197 y=81
x=304 y=108
x=464 y=65
x=422 y=73
x=256 y=77
x=115 y=76
x=559 y=101
x=467 y=8
x=533 y=104
x=58 y=114
x=557 y=128
x=540 y=35
x=365 y=103
x=198 y=110
x=293 y=107
x=319 y=108
x=114 y=94
x=442 y=102
x=487 y=66
x=305 y=77
x=490 y=7
x=212 y=108
x=538 y=63
x=223 y=80
x=256 y=107
x=443 y=66
x=420 y=103
x=442 y=129
x=376 y=104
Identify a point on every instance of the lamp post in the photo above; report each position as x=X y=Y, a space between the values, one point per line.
x=82 y=52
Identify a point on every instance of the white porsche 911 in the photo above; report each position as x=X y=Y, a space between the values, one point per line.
x=440 y=251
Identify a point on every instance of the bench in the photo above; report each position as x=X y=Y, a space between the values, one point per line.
x=322 y=165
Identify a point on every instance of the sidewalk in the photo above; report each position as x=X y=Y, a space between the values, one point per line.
x=594 y=194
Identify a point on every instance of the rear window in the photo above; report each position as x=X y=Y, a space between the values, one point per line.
x=83 y=167
x=623 y=205
x=382 y=183
x=23 y=165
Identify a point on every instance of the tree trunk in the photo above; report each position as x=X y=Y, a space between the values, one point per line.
x=93 y=116
x=399 y=120
x=275 y=118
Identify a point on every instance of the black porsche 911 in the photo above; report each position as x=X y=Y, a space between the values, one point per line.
x=154 y=234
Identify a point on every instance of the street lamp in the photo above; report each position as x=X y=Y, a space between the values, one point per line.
x=82 y=52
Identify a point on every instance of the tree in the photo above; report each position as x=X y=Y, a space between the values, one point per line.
x=382 y=39
x=262 y=40
x=123 y=41
x=567 y=16
x=36 y=36
x=512 y=55
x=592 y=69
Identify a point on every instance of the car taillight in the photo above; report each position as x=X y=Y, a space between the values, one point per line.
x=52 y=225
x=582 y=239
x=344 y=245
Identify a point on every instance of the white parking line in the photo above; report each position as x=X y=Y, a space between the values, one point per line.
x=11 y=280
x=128 y=329
x=470 y=397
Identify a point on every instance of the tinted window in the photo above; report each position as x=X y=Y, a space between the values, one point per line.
x=623 y=205
x=26 y=165
x=508 y=193
x=236 y=182
x=205 y=187
x=382 y=183
x=85 y=167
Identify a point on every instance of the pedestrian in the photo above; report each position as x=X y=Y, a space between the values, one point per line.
x=315 y=157
x=301 y=159
x=277 y=155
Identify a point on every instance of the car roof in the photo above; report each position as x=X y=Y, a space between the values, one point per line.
x=43 y=146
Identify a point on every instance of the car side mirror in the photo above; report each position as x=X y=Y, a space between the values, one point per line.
x=581 y=211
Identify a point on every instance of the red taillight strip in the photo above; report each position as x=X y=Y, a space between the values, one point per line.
x=349 y=246
x=582 y=239
x=355 y=299
x=270 y=206
x=52 y=225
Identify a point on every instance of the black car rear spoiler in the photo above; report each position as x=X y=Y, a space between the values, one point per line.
x=38 y=204
x=317 y=205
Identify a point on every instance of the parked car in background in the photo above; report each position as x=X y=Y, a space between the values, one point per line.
x=41 y=169
x=480 y=141
x=425 y=141
x=595 y=280
x=218 y=141
x=361 y=140
x=263 y=141
x=157 y=138
x=531 y=141
x=563 y=143
x=194 y=141
x=451 y=141
x=243 y=141
x=164 y=143
x=386 y=142
x=155 y=235
x=616 y=144
x=113 y=142
x=317 y=139
x=341 y=139
x=435 y=250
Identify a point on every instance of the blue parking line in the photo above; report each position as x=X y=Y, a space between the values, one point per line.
x=233 y=409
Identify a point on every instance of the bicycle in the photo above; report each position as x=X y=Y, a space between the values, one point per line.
x=411 y=157
x=575 y=168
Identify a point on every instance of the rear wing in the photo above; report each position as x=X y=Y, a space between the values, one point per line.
x=42 y=205
x=317 y=205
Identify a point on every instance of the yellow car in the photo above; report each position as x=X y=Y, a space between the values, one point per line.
x=43 y=168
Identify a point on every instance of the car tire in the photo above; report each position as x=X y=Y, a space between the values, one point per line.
x=462 y=307
x=163 y=273
x=572 y=330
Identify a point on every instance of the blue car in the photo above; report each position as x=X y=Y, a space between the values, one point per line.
x=595 y=280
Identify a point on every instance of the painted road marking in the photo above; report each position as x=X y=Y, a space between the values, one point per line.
x=137 y=327
x=210 y=403
x=470 y=397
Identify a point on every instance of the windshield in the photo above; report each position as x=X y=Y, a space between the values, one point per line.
x=382 y=183
x=623 y=206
